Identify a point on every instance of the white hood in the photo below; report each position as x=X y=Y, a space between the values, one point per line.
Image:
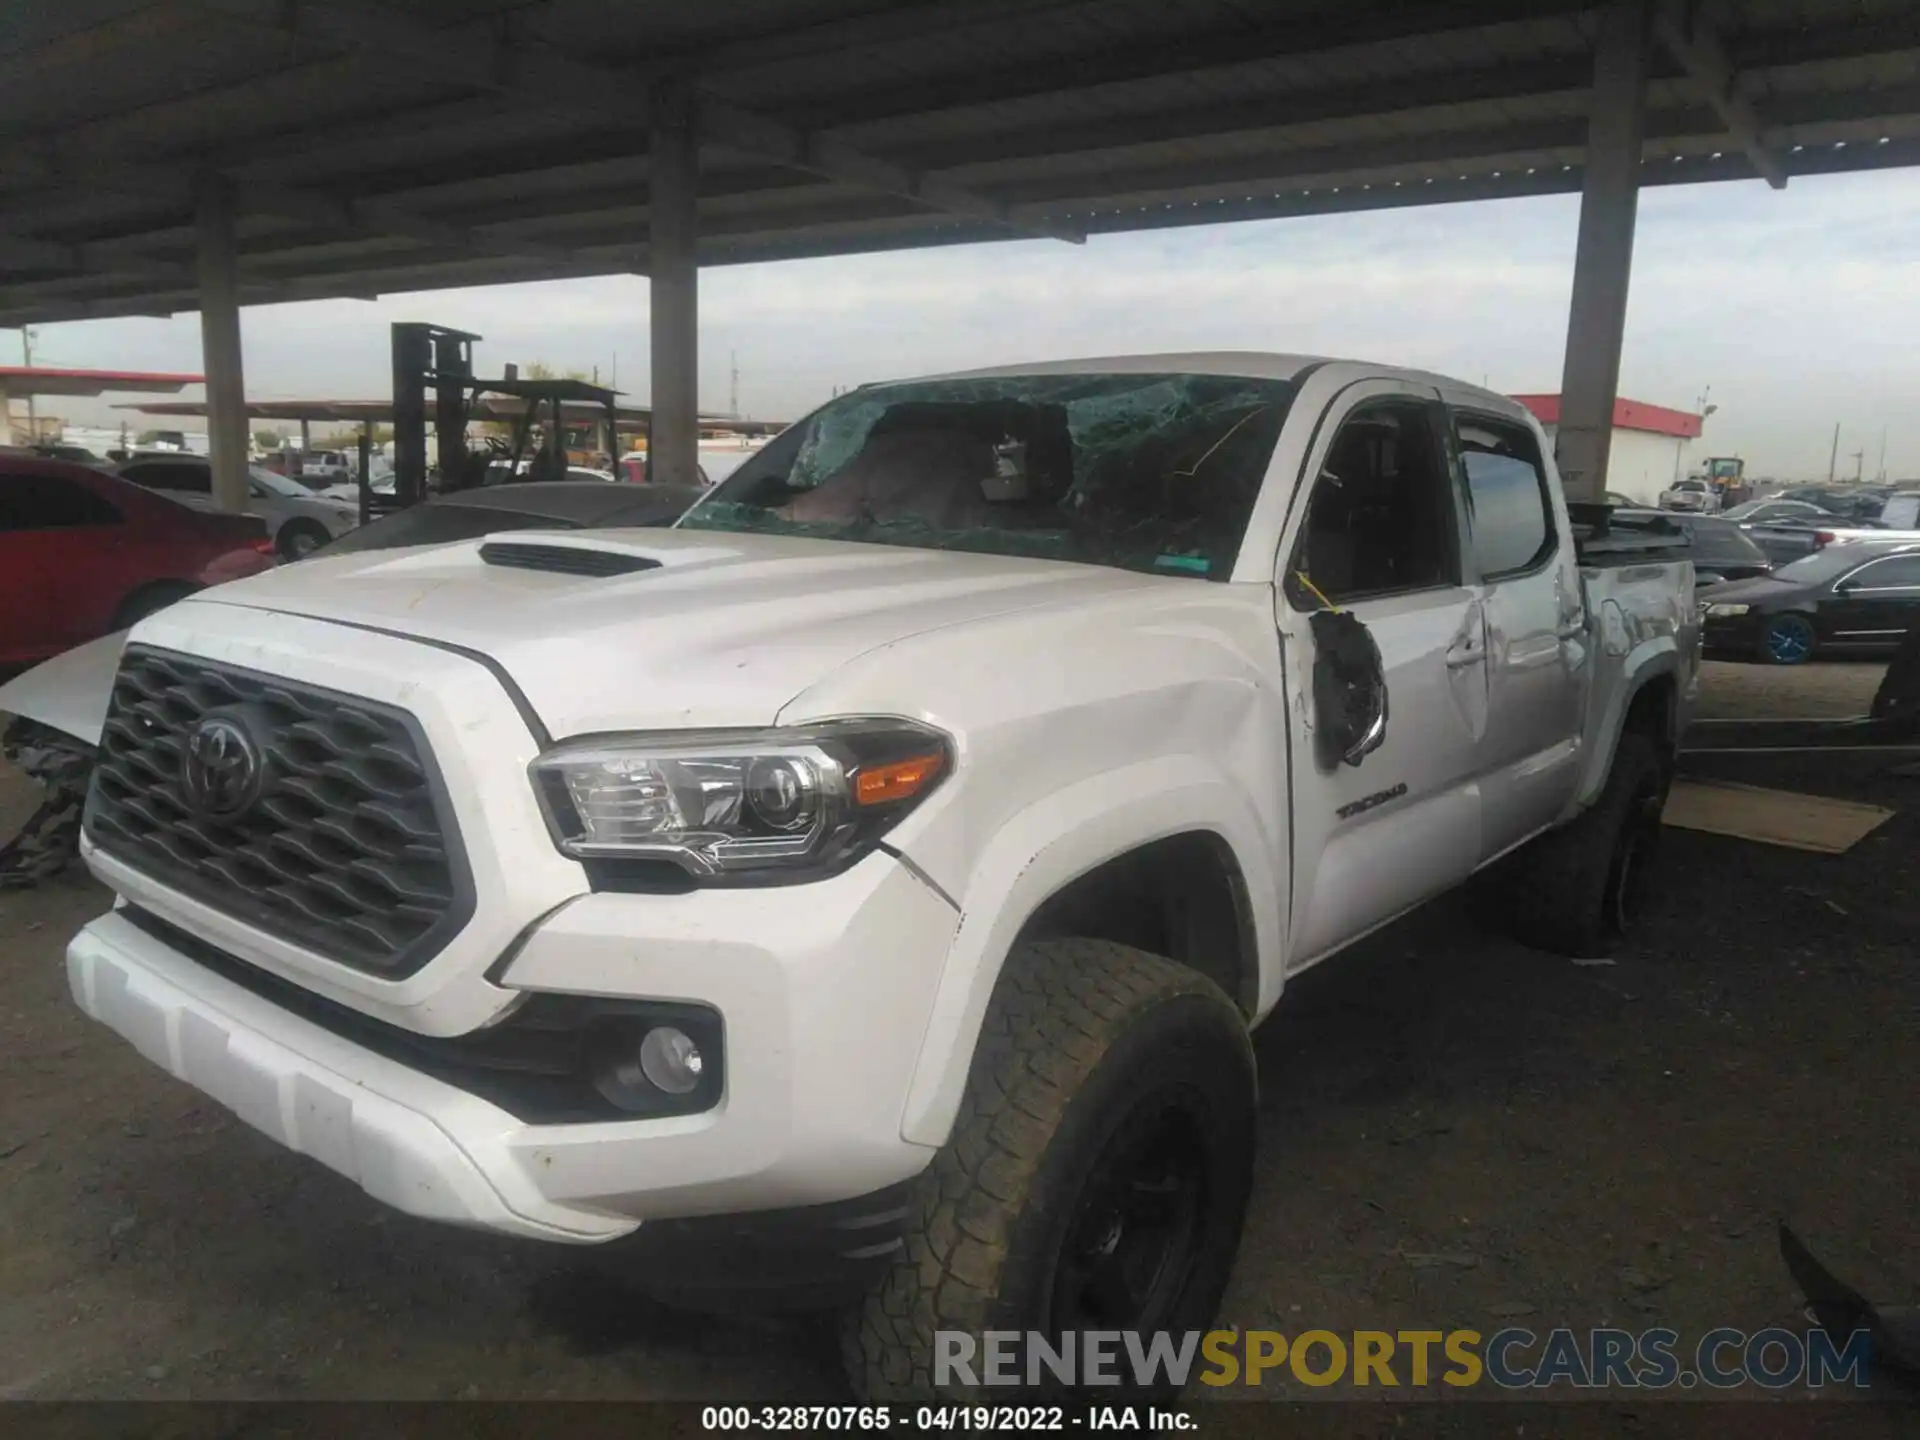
x=724 y=632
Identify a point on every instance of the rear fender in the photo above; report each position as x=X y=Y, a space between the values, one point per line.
x=1645 y=662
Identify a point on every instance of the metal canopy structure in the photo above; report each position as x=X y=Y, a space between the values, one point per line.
x=633 y=418
x=162 y=155
x=399 y=146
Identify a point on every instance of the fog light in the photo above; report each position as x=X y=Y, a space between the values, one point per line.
x=649 y=1068
x=670 y=1059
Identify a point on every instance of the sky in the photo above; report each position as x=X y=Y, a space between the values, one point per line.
x=1799 y=308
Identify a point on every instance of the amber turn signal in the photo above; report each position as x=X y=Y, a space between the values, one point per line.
x=896 y=780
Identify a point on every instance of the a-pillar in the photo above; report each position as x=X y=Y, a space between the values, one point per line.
x=1603 y=257
x=220 y=343
x=673 y=442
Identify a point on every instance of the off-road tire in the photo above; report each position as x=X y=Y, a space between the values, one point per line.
x=1576 y=890
x=1079 y=1036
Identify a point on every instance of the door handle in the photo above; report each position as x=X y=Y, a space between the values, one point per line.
x=1462 y=656
x=1572 y=629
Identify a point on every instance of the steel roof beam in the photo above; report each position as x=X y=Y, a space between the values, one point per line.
x=1288 y=35
x=925 y=230
x=1277 y=110
x=889 y=23
x=30 y=252
x=173 y=185
x=498 y=62
x=83 y=265
x=1691 y=40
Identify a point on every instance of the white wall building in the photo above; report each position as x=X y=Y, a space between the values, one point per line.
x=1650 y=449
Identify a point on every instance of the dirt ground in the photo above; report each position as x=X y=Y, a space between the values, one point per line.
x=1457 y=1131
x=1734 y=691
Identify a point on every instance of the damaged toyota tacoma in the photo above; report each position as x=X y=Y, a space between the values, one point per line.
x=861 y=894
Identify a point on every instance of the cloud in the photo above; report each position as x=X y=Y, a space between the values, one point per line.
x=1798 y=309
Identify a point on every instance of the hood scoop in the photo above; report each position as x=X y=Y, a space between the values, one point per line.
x=563 y=559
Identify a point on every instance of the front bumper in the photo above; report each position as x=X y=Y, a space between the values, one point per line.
x=824 y=991
x=1729 y=634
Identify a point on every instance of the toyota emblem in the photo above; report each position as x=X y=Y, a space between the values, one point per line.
x=223 y=772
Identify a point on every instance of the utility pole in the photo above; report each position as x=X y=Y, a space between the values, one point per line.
x=733 y=385
x=26 y=358
x=1702 y=409
x=1833 y=455
x=1880 y=472
x=1859 y=457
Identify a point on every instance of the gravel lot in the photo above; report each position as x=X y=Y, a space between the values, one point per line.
x=1736 y=691
x=1575 y=1144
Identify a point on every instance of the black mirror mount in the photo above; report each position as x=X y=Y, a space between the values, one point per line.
x=1349 y=690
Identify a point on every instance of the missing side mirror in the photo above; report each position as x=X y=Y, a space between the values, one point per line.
x=1349 y=690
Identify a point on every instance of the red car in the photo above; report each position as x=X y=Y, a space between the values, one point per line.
x=83 y=553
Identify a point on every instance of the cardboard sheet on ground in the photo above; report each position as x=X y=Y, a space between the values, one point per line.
x=1773 y=817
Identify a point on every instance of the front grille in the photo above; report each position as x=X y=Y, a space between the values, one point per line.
x=563 y=559
x=349 y=848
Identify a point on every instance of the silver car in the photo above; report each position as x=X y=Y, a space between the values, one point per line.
x=1693 y=495
x=299 y=520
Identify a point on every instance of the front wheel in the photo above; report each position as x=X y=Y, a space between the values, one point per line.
x=1096 y=1177
x=1787 y=640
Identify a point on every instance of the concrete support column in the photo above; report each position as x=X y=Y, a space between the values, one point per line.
x=673 y=443
x=1603 y=258
x=306 y=436
x=220 y=343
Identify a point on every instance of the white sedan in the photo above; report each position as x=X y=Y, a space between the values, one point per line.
x=299 y=520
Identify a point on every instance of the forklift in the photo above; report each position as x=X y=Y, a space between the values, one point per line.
x=431 y=360
x=1728 y=476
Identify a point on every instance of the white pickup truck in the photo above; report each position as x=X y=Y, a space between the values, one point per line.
x=867 y=887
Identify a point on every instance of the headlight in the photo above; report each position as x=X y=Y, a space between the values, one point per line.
x=722 y=803
x=1727 y=611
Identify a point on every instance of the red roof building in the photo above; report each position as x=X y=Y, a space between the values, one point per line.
x=1648 y=449
x=26 y=382
x=20 y=381
x=1627 y=415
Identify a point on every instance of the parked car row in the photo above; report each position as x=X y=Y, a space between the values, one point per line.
x=299 y=520
x=1721 y=549
x=1696 y=496
x=1855 y=597
x=83 y=552
x=1782 y=579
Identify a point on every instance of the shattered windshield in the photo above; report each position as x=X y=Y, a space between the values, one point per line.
x=1144 y=472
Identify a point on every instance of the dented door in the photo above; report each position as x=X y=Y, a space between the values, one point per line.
x=1374 y=839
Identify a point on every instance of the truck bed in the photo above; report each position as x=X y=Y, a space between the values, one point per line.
x=1602 y=537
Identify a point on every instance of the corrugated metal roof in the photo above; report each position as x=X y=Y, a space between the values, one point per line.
x=419 y=143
